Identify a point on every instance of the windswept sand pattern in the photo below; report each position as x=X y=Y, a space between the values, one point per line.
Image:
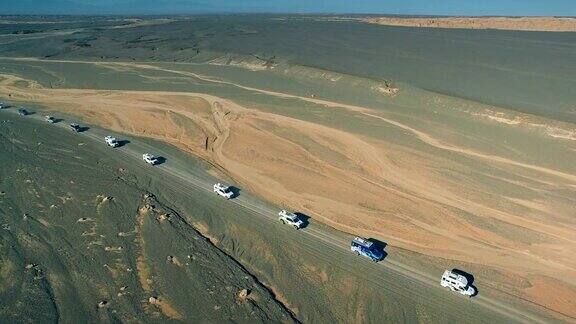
x=439 y=201
x=567 y=133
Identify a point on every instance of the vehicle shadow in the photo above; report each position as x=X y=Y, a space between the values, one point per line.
x=160 y=160
x=122 y=143
x=305 y=219
x=470 y=279
x=57 y=120
x=82 y=129
x=475 y=291
x=27 y=113
x=381 y=246
x=468 y=276
x=235 y=192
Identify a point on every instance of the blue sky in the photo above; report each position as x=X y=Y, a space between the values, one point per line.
x=414 y=7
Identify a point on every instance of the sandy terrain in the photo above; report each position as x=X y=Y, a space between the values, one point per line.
x=356 y=183
x=80 y=242
x=336 y=125
x=508 y=23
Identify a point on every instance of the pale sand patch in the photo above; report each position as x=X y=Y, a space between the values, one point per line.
x=508 y=23
x=168 y=310
x=141 y=265
x=203 y=229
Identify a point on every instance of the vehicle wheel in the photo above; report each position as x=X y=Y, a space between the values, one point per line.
x=357 y=253
x=296 y=227
x=283 y=222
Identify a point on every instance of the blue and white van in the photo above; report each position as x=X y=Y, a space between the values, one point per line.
x=366 y=248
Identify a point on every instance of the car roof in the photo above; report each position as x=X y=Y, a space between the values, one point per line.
x=362 y=241
x=455 y=276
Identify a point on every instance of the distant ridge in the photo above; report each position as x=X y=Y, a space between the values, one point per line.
x=565 y=24
x=52 y=7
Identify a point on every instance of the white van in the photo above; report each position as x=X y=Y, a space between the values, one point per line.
x=454 y=281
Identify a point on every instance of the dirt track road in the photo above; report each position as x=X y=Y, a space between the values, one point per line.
x=390 y=276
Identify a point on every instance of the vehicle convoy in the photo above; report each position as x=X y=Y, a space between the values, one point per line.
x=150 y=158
x=291 y=219
x=366 y=248
x=454 y=279
x=75 y=127
x=224 y=191
x=457 y=282
x=111 y=141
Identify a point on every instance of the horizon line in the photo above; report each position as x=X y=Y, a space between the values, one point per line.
x=207 y=13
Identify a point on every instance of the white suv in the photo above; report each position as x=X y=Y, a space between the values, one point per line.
x=290 y=218
x=455 y=281
x=112 y=141
x=224 y=191
x=149 y=158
